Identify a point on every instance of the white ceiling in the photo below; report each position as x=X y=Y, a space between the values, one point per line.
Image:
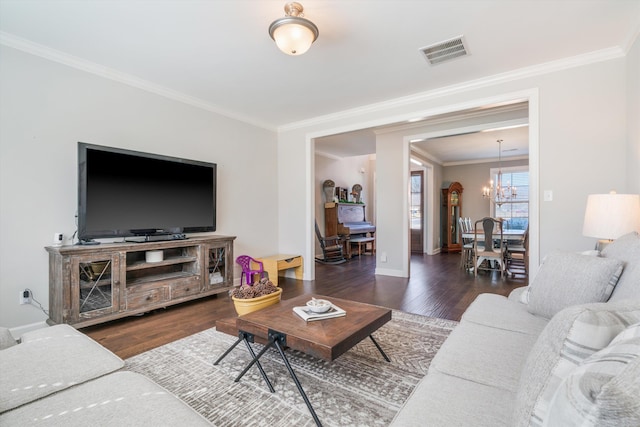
x=217 y=54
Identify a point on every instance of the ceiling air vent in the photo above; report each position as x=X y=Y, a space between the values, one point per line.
x=445 y=51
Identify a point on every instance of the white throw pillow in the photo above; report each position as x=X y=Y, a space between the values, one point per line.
x=604 y=390
x=572 y=336
x=567 y=278
x=626 y=249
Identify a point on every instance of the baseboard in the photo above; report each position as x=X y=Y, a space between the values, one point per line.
x=389 y=272
x=17 y=332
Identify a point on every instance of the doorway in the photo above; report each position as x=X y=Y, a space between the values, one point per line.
x=394 y=213
x=417 y=211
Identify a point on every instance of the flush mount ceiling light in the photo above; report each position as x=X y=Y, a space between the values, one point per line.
x=293 y=34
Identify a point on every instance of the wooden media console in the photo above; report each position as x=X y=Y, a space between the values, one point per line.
x=94 y=284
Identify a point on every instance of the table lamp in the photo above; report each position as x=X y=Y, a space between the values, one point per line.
x=609 y=216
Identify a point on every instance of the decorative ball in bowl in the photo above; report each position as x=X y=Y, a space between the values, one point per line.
x=319 y=305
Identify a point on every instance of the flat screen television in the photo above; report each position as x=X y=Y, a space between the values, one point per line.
x=124 y=193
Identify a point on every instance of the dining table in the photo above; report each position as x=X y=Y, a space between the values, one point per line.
x=507 y=235
x=510 y=235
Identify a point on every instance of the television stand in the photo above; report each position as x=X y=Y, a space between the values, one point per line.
x=89 y=285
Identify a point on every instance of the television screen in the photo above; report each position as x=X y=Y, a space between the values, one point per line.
x=128 y=193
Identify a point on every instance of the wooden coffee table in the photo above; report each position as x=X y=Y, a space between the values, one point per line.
x=278 y=326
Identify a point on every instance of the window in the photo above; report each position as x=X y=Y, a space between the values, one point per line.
x=416 y=200
x=515 y=212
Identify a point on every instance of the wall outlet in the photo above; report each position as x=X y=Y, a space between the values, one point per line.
x=383 y=257
x=25 y=297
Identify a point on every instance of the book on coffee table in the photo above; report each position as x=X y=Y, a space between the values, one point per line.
x=309 y=315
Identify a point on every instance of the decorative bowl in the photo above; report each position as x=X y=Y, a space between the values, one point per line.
x=248 y=305
x=318 y=305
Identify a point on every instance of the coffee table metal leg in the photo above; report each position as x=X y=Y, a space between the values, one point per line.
x=280 y=339
x=243 y=336
x=262 y=372
x=380 y=349
x=255 y=360
x=240 y=339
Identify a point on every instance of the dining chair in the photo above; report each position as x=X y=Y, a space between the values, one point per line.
x=489 y=245
x=466 y=254
x=518 y=256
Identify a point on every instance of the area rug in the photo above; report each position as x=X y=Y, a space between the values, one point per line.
x=358 y=389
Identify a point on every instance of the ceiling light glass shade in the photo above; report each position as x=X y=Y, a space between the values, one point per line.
x=293 y=35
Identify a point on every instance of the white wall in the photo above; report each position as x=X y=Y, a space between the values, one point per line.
x=582 y=149
x=393 y=188
x=633 y=118
x=46 y=108
x=345 y=172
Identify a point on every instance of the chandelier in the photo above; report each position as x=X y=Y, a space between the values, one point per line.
x=293 y=34
x=499 y=194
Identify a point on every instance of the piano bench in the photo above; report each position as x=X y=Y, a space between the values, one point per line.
x=363 y=241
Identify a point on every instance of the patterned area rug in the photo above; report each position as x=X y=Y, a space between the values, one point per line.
x=358 y=389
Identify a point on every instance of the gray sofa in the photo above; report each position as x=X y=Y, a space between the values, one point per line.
x=563 y=351
x=59 y=376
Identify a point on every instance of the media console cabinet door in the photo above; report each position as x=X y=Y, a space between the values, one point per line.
x=94 y=286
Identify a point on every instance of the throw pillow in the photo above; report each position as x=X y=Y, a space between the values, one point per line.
x=626 y=249
x=604 y=390
x=573 y=335
x=567 y=278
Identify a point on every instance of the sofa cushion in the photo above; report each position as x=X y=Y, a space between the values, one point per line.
x=517 y=295
x=49 y=360
x=6 y=339
x=604 y=390
x=118 y=399
x=444 y=400
x=567 y=278
x=497 y=311
x=571 y=336
x=484 y=355
x=626 y=249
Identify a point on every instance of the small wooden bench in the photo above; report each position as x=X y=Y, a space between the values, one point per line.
x=274 y=264
x=363 y=241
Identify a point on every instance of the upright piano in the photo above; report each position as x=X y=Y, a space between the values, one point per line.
x=348 y=221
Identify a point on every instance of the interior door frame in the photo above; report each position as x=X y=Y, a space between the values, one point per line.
x=530 y=95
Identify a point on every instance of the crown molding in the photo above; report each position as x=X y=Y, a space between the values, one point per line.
x=45 y=52
x=54 y=55
x=478 y=161
x=426 y=155
x=328 y=155
x=521 y=73
x=633 y=36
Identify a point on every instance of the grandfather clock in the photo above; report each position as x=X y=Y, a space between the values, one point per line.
x=451 y=213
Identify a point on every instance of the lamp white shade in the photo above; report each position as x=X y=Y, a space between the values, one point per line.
x=609 y=216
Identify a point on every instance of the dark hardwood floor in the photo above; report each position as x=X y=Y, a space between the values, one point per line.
x=437 y=288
